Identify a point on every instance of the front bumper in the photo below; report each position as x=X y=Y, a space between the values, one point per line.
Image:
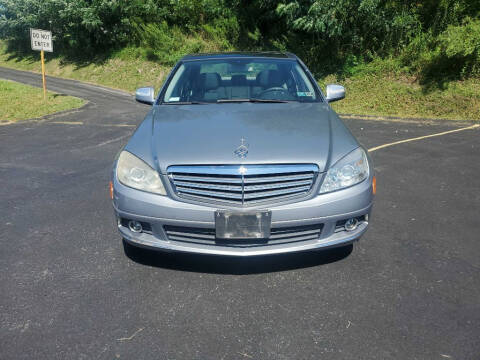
x=326 y=211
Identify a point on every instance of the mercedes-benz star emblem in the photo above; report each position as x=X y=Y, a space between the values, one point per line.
x=242 y=150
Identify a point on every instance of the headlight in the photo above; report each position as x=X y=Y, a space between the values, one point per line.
x=133 y=172
x=348 y=171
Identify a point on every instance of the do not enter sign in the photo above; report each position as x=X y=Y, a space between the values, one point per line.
x=41 y=40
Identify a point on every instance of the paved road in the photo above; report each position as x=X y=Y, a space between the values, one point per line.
x=409 y=290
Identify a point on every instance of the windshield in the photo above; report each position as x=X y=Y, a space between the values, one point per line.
x=232 y=80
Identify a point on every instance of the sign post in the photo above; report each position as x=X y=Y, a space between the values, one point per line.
x=42 y=41
x=42 y=57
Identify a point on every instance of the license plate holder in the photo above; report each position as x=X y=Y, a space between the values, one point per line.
x=242 y=225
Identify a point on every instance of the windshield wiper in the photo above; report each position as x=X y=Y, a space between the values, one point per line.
x=252 y=100
x=270 y=100
x=185 y=103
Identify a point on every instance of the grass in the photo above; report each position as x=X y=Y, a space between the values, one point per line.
x=389 y=95
x=379 y=88
x=384 y=88
x=15 y=97
x=122 y=71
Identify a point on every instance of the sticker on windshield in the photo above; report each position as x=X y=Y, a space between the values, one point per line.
x=304 y=93
x=174 y=99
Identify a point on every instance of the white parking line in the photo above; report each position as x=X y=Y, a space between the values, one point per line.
x=422 y=137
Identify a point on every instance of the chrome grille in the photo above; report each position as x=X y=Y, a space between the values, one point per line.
x=242 y=184
x=206 y=236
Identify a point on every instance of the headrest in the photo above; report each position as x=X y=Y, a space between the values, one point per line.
x=270 y=78
x=239 y=80
x=210 y=81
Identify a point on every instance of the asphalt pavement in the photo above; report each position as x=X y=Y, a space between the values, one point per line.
x=410 y=289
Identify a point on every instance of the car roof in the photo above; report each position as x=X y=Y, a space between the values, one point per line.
x=240 y=54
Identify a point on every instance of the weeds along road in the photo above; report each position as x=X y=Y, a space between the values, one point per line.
x=409 y=290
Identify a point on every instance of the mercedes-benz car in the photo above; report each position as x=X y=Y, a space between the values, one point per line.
x=241 y=154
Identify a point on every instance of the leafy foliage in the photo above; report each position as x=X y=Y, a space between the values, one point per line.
x=167 y=44
x=462 y=45
x=333 y=36
x=78 y=25
x=451 y=55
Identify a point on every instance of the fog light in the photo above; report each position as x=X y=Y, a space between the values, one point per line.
x=351 y=224
x=135 y=226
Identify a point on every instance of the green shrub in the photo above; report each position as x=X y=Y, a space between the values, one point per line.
x=461 y=44
x=435 y=39
x=453 y=54
x=418 y=52
x=167 y=44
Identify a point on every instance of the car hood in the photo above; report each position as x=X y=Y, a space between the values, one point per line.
x=275 y=133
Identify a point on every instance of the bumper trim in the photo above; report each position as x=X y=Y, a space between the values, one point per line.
x=335 y=240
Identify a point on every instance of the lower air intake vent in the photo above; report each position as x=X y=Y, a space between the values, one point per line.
x=206 y=236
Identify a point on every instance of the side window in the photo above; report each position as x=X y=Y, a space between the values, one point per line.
x=173 y=93
x=305 y=88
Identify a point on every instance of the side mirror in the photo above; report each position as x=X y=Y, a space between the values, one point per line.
x=145 y=95
x=335 y=93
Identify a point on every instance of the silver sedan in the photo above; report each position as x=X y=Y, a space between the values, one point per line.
x=242 y=155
